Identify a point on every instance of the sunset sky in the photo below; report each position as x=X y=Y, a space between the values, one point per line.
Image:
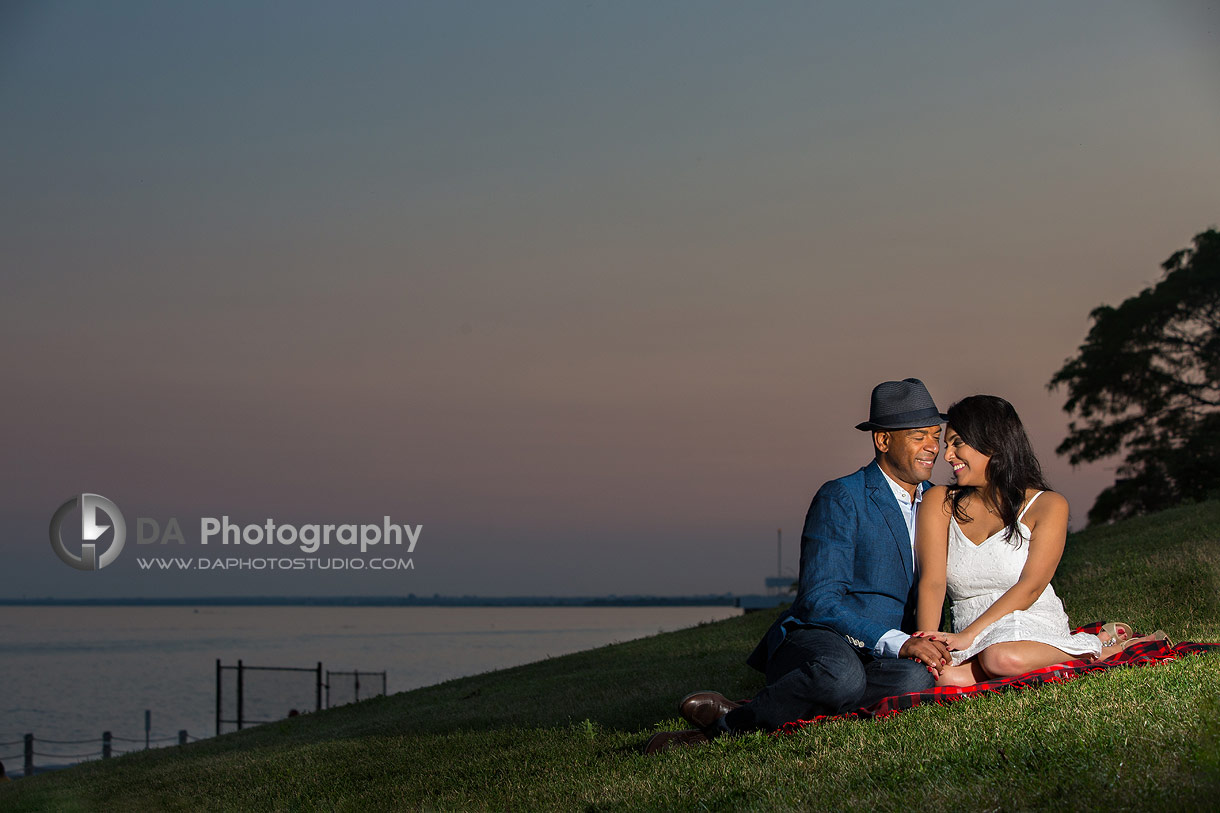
x=595 y=292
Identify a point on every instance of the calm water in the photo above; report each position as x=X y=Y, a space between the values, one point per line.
x=69 y=673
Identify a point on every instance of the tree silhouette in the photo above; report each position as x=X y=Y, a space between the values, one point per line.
x=1146 y=384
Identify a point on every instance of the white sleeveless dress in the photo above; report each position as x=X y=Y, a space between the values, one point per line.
x=977 y=575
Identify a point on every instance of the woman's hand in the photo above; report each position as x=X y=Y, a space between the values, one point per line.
x=935 y=635
x=956 y=641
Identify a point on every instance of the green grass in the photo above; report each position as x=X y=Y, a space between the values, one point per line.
x=564 y=733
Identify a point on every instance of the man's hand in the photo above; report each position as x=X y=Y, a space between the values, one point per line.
x=928 y=651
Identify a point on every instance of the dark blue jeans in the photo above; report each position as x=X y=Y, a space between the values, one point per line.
x=815 y=671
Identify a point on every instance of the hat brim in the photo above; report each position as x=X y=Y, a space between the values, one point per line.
x=913 y=420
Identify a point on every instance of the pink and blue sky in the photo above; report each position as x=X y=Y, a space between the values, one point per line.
x=594 y=292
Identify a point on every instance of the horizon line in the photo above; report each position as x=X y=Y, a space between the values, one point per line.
x=706 y=599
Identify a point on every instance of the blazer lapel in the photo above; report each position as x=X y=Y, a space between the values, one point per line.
x=883 y=497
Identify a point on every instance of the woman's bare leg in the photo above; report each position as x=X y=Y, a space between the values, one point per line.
x=1018 y=657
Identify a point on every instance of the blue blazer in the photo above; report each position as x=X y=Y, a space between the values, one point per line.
x=856 y=573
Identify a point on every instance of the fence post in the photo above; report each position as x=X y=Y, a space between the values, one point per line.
x=318 y=700
x=29 y=755
x=147 y=727
x=383 y=684
x=218 y=682
x=105 y=745
x=239 y=694
x=357 y=681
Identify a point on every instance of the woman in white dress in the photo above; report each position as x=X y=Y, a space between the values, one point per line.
x=992 y=540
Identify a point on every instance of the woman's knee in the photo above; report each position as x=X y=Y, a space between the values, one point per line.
x=1003 y=661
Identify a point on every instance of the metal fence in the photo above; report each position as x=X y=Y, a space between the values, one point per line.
x=249 y=706
x=252 y=702
x=348 y=691
x=104 y=748
x=244 y=695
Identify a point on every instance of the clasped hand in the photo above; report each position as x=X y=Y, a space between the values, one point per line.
x=933 y=649
x=955 y=641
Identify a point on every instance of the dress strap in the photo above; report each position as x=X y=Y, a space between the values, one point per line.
x=1028 y=504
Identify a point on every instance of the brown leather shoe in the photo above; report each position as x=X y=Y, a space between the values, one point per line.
x=665 y=740
x=703 y=709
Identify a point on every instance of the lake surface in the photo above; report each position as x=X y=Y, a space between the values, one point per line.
x=70 y=673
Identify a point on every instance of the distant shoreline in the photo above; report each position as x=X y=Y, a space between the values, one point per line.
x=722 y=600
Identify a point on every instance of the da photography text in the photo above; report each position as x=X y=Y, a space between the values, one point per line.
x=308 y=538
x=103 y=532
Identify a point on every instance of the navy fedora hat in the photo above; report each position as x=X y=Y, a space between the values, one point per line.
x=903 y=404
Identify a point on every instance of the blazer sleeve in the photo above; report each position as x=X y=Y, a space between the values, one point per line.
x=828 y=556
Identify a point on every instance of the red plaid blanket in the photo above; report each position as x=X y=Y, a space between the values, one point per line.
x=1141 y=654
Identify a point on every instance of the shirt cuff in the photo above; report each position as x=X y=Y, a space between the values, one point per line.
x=890 y=644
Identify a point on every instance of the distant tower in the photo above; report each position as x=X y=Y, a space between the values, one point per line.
x=778 y=585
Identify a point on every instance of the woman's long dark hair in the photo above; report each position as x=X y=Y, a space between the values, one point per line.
x=990 y=425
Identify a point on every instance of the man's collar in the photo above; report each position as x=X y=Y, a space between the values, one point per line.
x=900 y=493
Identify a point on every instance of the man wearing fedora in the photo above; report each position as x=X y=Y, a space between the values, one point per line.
x=841 y=644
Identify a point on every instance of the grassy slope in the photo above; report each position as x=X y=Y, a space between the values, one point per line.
x=564 y=733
